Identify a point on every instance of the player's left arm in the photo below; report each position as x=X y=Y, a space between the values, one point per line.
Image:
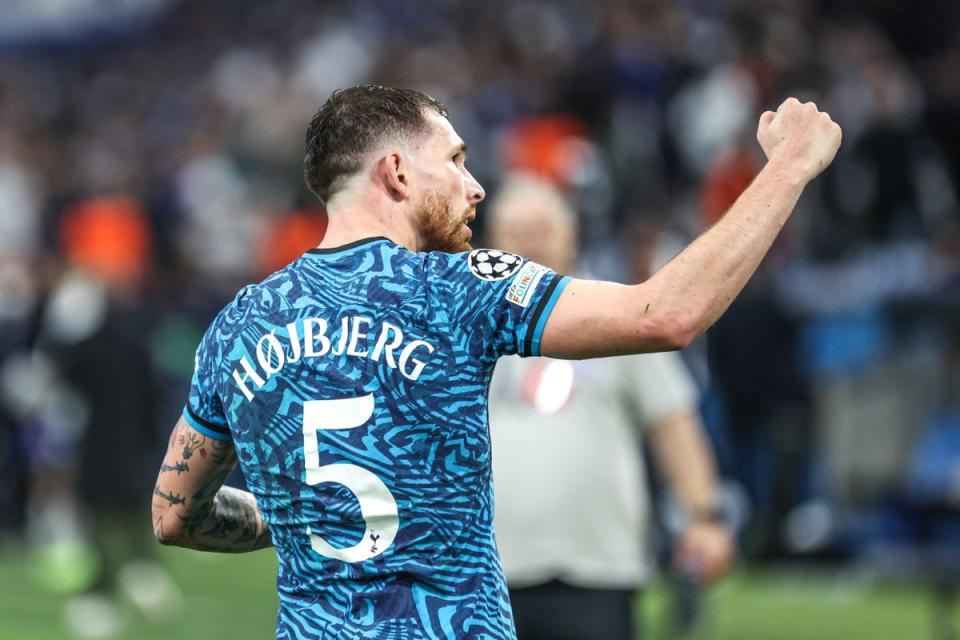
x=191 y=507
x=683 y=455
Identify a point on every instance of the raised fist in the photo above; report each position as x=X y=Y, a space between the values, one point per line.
x=799 y=137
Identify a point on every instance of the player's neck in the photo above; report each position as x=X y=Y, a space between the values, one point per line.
x=350 y=223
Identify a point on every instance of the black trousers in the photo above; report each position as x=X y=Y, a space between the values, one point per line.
x=558 y=611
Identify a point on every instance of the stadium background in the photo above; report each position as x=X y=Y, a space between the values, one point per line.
x=150 y=164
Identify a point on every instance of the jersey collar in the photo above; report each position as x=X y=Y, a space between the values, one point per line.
x=346 y=247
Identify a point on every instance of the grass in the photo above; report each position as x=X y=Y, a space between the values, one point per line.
x=233 y=597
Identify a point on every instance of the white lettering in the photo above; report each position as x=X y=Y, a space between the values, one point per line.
x=387 y=349
x=357 y=334
x=249 y=374
x=354 y=340
x=418 y=364
x=294 y=338
x=309 y=350
x=266 y=358
x=344 y=334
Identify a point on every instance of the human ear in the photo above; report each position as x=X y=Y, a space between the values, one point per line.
x=392 y=171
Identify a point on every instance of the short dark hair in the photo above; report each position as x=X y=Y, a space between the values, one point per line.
x=351 y=122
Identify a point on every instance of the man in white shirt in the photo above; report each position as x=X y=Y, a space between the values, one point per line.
x=572 y=517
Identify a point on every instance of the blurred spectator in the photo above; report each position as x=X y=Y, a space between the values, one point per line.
x=19 y=301
x=572 y=506
x=94 y=334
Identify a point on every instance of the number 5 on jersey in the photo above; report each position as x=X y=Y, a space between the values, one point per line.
x=377 y=505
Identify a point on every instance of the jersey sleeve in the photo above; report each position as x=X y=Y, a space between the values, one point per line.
x=499 y=300
x=204 y=410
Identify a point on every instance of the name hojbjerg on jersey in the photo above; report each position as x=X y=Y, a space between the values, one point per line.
x=309 y=339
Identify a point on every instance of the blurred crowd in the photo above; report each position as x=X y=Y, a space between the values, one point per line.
x=150 y=163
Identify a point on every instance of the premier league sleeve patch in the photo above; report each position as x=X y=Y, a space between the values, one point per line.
x=491 y=264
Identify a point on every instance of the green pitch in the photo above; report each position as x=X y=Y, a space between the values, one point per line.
x=232 y=597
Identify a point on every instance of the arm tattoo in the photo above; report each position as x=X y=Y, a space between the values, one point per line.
x=222 y=451
x=214 y=518
x=171 y=497
x=192 y=442
x=229 y=523
x=179 y=467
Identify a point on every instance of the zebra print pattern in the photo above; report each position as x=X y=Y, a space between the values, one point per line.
x=427 y=438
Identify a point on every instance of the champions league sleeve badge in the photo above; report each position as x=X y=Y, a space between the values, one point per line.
x=491 y=264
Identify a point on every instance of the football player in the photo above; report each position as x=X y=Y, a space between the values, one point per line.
x=351 y=385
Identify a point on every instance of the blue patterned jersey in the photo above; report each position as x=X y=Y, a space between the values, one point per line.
x=354 y=386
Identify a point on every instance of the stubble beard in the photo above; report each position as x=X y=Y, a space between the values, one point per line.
x=438 y=227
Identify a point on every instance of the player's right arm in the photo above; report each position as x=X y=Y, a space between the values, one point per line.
x=692 y=291
x=190 y=506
